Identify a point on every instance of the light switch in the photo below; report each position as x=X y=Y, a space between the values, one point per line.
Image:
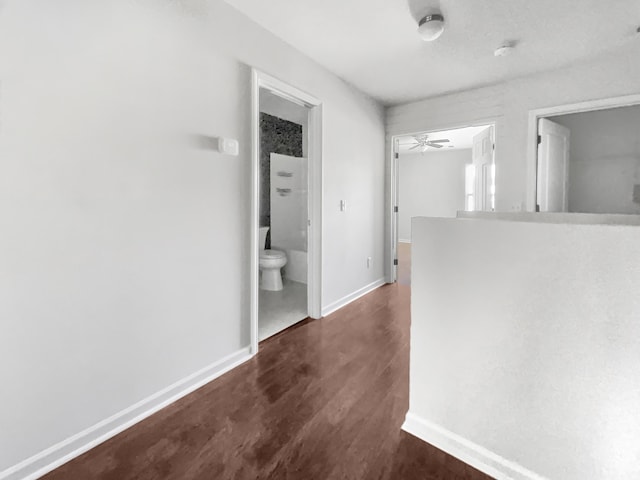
x=228 y=145
x=343 y=205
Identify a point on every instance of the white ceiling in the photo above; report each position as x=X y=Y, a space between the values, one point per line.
x=373 y=44
x=460 y=138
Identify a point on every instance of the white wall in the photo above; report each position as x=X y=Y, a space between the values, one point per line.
x=124 y=249
x=555 y=217
x=524 y=342
x=605 y=160
x=508 y=104
x=614 y=74
x=430 y=185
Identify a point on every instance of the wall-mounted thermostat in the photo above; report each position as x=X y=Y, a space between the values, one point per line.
x=228 y=146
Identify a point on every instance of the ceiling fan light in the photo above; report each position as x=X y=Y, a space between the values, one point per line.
x=431 y=27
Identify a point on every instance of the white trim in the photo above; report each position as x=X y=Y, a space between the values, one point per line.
x=469 y=452
x=314 y=157
x=66 y=450
x=532 y=132
x=338 y=304
x=314 y=247
x=254 y=255
x=391 y=225
x=404 y=240
x=393 y=199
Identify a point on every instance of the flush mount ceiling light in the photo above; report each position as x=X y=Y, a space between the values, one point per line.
x=431 y=27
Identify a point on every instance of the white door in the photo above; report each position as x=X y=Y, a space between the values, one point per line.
x=483 y=171
x=553 y=167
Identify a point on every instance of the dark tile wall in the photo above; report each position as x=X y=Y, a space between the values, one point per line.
x=276 y=136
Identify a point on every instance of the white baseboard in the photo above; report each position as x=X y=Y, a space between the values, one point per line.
x=470 y=453
x=338 y=304
x=60 y=453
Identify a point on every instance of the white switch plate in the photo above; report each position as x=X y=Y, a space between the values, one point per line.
x=228 y=145
x=343 y=205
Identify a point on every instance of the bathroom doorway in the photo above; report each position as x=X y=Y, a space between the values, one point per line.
x=286 y=207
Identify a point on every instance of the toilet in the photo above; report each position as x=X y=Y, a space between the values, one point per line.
x=271 y=261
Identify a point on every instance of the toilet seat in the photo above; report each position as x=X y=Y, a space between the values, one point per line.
x=271 y=261
x=272 y=254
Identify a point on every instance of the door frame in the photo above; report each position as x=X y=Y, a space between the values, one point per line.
x=532 y=135
x=392 y=191
x=262 y=80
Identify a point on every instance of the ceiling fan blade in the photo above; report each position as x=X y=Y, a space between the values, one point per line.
x=442 y=140
x=434 y=145
x=415 y=146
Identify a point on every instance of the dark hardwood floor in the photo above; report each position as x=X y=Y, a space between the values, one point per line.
x=323 y=400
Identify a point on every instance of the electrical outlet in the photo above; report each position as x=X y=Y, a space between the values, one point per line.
x=369 y=262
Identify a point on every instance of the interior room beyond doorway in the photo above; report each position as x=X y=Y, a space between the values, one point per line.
x=283 y=214
x=438 y=174
x=589 y=162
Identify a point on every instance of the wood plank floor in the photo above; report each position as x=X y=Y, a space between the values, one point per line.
x=404 y=263
x=323 y=400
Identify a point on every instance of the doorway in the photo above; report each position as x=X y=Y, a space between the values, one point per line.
x=589 y=161
x=548 y=192
x=437 y=174
x=286 y=208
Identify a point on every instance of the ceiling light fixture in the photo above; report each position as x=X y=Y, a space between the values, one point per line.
x=431 y=27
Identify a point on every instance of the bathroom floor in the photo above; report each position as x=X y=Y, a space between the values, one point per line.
x=280 y=310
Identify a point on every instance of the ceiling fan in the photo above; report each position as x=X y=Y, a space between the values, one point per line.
x=422 y=142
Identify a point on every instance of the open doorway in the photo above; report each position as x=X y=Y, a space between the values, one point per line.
x=286 y=207
x=437 y=174
x=589 y=162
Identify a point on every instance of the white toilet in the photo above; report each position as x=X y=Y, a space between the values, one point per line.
x=271 y=261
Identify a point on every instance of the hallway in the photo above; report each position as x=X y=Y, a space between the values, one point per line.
x=324 y=399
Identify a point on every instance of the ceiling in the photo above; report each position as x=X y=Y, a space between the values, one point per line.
x=459 y=139
x=373 y=44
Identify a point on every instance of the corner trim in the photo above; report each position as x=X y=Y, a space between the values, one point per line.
x=74 y=446
x=470 y=453
x=338 y=304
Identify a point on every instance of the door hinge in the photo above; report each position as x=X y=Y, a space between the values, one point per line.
x=395 y=209
x=395 y=261
x=539 y=139
x=397 y=155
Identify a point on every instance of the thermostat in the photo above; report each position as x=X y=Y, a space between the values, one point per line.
x=228 y=146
